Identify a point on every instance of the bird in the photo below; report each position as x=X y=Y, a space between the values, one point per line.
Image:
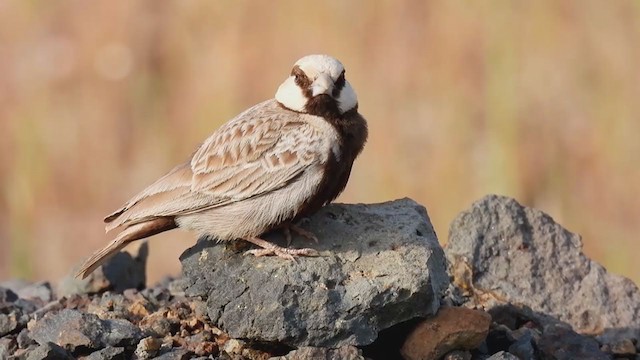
x=269 y=167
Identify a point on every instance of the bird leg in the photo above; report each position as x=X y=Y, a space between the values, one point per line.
x=286 y=229
x=273 y=249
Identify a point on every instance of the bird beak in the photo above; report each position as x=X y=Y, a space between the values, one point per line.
x=322 y=85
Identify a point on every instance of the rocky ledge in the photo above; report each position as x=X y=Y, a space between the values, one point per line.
x=510 y=284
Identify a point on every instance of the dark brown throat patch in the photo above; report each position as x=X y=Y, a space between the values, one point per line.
x=324 y=106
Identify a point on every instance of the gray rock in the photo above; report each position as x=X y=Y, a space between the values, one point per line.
x=123 y=271
x=7 y=296
x=307 y=352
x=8 y=323
x=519 y=255
x=108 y=353
x=48 y=351
x=524 y=347
x=72 y=329
x=175 y=354
x=7 y=347
x=380 y=265
x=40 y=291
x=457 y=355
x=503 y=355
x=559 y=342
x=24 y=339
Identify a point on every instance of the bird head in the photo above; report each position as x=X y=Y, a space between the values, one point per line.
x=317 y=86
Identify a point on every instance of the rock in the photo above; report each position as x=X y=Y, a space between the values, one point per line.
x=451 y=329
x=503 y=355
x=380 y=265
x=24 y=339
x=458 y=355
x=8 y=323
x=108 y=353
x=40 y=291
x=7 y=347
x=123 y=271
x=175 y=354
x=519 y=255
x=524 y=347
x=342 y=353
x=559 y=342
x=48 y=351
x=72 y=329
x=148 y=347
x=624 y=347
x=7 y=297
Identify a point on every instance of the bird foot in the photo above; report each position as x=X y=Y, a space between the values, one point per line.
x=287 y=229
x=273 y=249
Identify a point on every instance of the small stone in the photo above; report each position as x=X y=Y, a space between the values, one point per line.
x=233 y=346
x=7 y=347
x=452 y=328
x=524 y=347
x=158 y=325
x=458 y=355
x=8 y=323
x=148 y=347
x=72 y=329
x=108 y=353
x=24 y=339
x=48 y=351
x=307 y=352
x=561 y=343
x=7 y=296
x=175 y=354
x=123 y=271
x=624 y=347
x=503 y=355
x=120 y=332
x=40 y=291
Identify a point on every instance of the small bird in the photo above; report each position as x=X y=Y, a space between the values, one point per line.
x=275 y=163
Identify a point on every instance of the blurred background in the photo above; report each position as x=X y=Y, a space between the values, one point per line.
x=537 y=100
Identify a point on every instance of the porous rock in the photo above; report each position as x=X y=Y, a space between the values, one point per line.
x=452 y=328
x=123 y=271
x=559 y=342
x=307 y=352
x=519 y=255
x=503 y=355
x=72 y=329
x=108 y=353
x=48 y=351
x=379 y=265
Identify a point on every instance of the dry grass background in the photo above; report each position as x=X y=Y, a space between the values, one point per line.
x=538 y=100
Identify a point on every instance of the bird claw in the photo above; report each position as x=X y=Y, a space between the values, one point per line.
x=281 y=252
x=273 y=249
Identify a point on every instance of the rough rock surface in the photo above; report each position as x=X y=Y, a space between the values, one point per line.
x=72 y=329
x=506 y=253
x=379 y=265
x=341 y=353
x=452 y=328
x=123 y=271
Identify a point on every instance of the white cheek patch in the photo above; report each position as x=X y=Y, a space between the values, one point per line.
x=290 y=95
x=348 y=99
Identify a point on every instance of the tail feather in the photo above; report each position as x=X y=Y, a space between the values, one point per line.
x=131 y=233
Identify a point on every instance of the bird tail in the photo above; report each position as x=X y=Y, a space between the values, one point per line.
x=131 y=233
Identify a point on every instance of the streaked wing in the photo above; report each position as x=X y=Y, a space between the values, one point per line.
x=251 y=158
x=261 y=150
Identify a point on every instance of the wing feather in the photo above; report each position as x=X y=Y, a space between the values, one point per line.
x=261 y=150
